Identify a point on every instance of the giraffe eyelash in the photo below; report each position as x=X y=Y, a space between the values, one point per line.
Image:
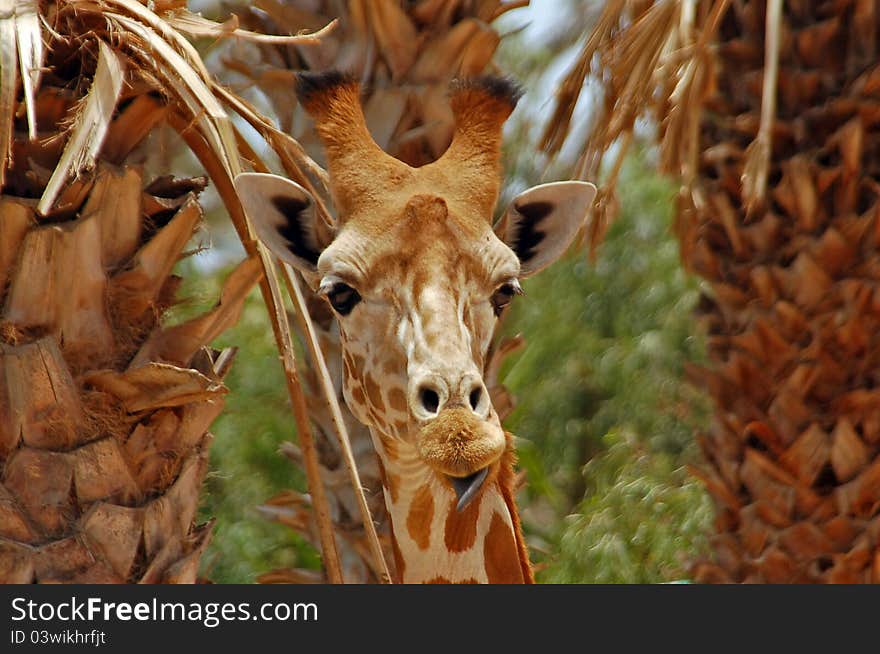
x=504 y=294
x=327 y=284
x=342 y=296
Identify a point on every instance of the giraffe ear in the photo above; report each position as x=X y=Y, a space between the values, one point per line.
x=541 y=222
x=283 y=215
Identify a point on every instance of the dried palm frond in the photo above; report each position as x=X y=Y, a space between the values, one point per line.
x=104 y=487
x=648 y=63
x=757 y=162
x=569 y=91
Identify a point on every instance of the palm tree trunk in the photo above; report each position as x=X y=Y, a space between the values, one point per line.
x=104 y=409
x=793 y=457
x=103 y=439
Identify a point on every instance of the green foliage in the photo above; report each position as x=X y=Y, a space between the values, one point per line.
x=607 y=343
x=245 y=455
x=643 y=520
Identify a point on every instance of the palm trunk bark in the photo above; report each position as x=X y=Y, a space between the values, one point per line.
x=793 y=457
x=103 y=412
x=104 y=409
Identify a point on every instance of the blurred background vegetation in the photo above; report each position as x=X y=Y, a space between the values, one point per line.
x=604 y=417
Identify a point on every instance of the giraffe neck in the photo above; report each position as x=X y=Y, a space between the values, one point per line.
x=434 y=543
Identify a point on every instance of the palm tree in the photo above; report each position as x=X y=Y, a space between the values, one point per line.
x=766 y=111
x=105 y=408
x=406 y=54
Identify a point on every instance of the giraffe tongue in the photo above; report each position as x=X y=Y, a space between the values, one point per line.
x=466 y=487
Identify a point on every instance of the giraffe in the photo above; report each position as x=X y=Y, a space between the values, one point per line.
x=417 y=275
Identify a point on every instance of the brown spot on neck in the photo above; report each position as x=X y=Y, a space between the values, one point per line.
x=389 y=444
x=421 y=513
x=374 y=392
x=460 y=531
x=501 y=554
x=357 y=394
x=506 y=482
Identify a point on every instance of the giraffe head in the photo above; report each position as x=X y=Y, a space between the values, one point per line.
x=415 y=270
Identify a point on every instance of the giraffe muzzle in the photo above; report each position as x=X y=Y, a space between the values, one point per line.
x=461 y=447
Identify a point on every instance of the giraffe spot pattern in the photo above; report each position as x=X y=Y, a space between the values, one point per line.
x=418 y=520
x=391 y=366
x=460 y=531
x=374 y=393
x=397 y=400
x=501 y=554
x=357 y=394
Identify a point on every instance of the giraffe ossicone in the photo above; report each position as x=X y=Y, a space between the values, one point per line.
x=417 y=275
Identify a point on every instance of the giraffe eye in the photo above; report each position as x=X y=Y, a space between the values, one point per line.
x=504 y=294
x=343 y=298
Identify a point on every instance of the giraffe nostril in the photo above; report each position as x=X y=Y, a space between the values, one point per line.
x=475 y=396
x=430 y=399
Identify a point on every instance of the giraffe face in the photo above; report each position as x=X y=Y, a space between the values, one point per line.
x=417 y=289
x=414 y=268
x=416 y=302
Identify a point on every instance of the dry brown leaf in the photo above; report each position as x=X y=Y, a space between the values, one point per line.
x=395 y=35
x=30 y=56
x=194 y=25
x=8 y=79
x=155 y=385
x=90 y=124
x=757 y=163
x=177 y=345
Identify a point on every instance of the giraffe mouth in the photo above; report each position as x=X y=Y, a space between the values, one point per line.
x=466 y=488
